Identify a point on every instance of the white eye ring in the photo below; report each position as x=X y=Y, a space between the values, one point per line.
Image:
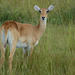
x=45 y=11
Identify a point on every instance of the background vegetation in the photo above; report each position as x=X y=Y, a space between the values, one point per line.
x=23 y=11
x=55 y=53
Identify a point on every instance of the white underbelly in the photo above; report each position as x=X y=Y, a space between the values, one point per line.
x=21 y=45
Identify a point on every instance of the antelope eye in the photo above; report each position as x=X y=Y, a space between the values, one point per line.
x=39 y=11
x=47 y=11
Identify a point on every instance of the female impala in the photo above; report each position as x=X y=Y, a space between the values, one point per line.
x=26 y=36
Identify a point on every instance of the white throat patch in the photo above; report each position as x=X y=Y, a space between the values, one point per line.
x=45 y=20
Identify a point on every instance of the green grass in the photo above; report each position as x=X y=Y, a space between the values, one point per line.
x=23 y=11
x=55 y=53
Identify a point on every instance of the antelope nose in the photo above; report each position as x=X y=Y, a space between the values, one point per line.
x=43 y=18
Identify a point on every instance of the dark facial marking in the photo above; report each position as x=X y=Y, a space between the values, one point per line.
x=40 y=11
x=43 y=18
x=47 y=11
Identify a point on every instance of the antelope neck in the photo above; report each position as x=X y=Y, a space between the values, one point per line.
x=42 y=25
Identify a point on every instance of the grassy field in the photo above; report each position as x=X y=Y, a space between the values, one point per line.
x=55 y=53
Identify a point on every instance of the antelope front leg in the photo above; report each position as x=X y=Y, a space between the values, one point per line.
x=30 y=50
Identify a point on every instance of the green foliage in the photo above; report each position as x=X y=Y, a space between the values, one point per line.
x=55 y=53
x=23 y=11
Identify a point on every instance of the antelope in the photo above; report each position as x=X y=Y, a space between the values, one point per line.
x=26 y=36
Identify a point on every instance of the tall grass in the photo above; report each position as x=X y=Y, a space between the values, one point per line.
x=23 y=10
x=55 y=53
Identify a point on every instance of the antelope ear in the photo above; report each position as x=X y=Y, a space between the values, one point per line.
x=37 y=8
x=50 y=8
